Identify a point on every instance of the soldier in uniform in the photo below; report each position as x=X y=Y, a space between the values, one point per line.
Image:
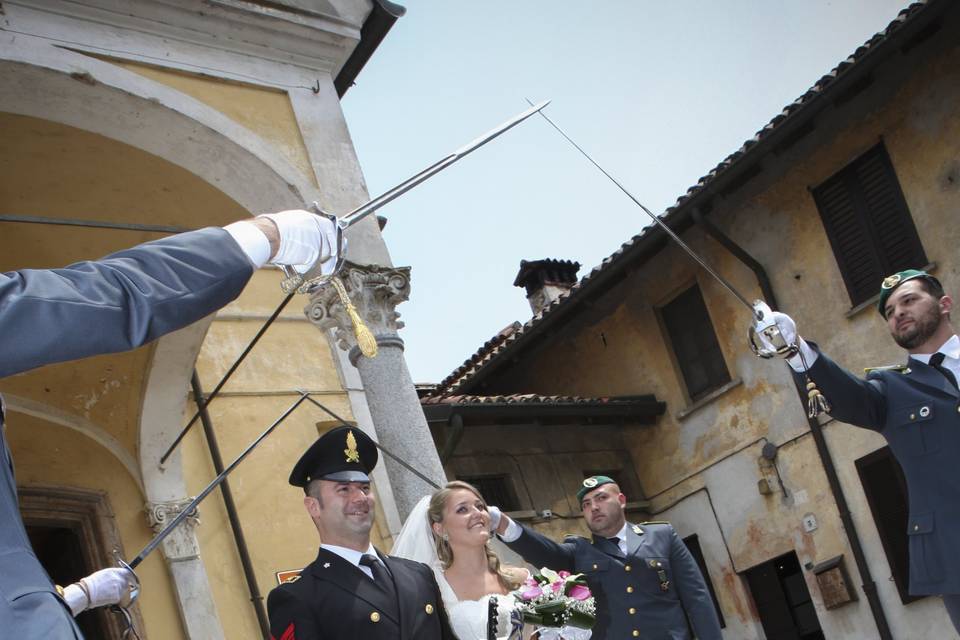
x=352 y=590
x=916 y=407
x=645 y=581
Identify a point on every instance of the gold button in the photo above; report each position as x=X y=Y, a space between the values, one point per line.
x=428 y=609
x=594 y=567
x=374 y=617
x=627 y=568
x=636 y=634
x=913 y=416
x=629 y=589
x=916 y=527
x=632 y=610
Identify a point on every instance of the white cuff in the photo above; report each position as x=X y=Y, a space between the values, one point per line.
x=808 y=354
x=253 y=241
x=513 y=531
x=75 y=598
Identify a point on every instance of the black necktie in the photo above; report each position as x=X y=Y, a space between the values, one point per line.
x=615 y=541
x=380 y=575
x=936 y=361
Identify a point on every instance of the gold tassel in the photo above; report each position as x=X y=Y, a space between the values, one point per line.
x=365 y=339
x=816 y=402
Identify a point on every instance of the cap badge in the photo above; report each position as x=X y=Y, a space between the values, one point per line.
x=891 y=281
x=351 y=451
x=590 y=483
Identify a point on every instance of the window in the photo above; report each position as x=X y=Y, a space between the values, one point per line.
x=495 y=489
x=869 y=226
x=886 y=491
x=693 y=545
x=695 y=345
x=783 y=601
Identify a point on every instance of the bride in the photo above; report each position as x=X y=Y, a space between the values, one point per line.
x=450 y=531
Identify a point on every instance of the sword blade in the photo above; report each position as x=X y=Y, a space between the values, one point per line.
x=185 y=513
x=364 y=210
x=729 y=287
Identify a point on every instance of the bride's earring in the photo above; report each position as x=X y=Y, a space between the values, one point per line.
x=446 y=537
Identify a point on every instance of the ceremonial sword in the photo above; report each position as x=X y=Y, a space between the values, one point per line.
x=313 y=277
x=763 y=319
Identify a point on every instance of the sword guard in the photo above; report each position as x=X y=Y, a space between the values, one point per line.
x=294 y=281
x=765 y=325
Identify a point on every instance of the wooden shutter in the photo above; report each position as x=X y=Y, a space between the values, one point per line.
x=695 y=343
x=869 y=226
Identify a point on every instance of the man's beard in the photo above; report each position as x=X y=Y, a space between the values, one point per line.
x=922 y=330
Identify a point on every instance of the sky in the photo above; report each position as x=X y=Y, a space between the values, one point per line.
x=657 y=92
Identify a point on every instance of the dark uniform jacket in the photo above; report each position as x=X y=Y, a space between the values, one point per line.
x=918 y=411
x=111 y=305
x=333 y=599
x=641 y=595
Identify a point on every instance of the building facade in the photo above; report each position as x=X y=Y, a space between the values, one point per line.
x=801 y=526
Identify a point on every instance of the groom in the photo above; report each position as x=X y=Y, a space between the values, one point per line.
x=643 y=577
x=352 y=590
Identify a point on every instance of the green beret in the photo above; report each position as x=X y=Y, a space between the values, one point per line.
x=592 y=483
x=890 y=283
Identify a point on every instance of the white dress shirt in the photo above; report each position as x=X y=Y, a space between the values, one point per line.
x=353 y=556
x=951 y=355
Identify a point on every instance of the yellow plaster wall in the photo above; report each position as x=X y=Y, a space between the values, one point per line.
x=293 y=354
x=266 y=112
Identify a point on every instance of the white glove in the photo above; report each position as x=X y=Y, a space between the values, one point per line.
x=788 y=330
x=495 y=515
x=105 y=587
x=305 y=238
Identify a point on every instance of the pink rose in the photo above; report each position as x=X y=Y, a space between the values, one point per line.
x=579 y=592
x=531 y=593
x=557 y=587
x=564 y=574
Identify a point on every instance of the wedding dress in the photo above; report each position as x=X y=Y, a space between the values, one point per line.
x=468 y=618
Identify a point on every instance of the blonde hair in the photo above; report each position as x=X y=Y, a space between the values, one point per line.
x=509 y=577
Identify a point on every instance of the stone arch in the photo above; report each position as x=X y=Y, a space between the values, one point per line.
x=56 y=84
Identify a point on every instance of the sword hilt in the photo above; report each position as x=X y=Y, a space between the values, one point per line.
x=314 y=277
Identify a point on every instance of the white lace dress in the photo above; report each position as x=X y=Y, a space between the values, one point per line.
x=469 y=617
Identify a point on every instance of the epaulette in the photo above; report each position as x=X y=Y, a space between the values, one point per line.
x=573 y=537
x=656 y=522
x=899 y=368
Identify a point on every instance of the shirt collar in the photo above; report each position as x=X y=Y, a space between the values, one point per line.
x=622 y=534
x=350 y=555
x=950 y=348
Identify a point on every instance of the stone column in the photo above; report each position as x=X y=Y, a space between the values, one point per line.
x=401 y=427
x=197 y=609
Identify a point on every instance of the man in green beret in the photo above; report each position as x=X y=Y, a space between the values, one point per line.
x=916 y=407
x=645 y=581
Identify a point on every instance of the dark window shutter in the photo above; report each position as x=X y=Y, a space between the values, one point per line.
x=695 y=343
x=886 y=491
x=869 y=226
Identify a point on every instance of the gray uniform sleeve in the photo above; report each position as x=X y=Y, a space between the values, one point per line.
x=541 y=551
x=118 y=303
x=853 y=400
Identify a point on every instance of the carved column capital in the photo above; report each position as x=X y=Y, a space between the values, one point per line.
x=375 y=291
x=181 y=544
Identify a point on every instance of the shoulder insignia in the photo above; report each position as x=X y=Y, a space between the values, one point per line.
x=898 y=368
x=637 y=530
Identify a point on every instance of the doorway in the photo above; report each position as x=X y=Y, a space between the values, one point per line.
x=783 y=600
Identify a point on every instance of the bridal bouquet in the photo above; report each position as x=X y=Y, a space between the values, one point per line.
x=556 y=599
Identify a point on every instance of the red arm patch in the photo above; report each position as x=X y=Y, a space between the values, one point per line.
x=288 y=634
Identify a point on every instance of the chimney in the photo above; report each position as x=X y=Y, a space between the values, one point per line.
x=546 y=280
